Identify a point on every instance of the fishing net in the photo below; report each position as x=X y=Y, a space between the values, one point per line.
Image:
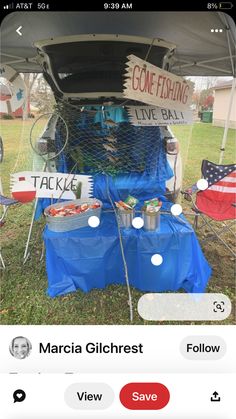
x=102 y=140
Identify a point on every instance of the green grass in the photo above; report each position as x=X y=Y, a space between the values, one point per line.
x=23 y=288
x=202 y=141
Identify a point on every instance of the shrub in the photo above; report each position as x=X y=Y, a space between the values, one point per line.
x=7 y=116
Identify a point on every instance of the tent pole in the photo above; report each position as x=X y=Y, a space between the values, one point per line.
x=27 y=253
x=222 y=148
x=228 y=35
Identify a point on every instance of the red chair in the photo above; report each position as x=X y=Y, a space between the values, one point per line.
x=218 y=201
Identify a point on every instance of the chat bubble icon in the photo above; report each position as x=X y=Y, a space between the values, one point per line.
x=19 y=396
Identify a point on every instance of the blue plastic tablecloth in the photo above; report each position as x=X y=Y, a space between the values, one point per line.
x=89 y=258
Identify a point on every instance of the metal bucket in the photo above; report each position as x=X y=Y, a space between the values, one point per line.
x=126 y=217
x=61 y=224
x=151 y=220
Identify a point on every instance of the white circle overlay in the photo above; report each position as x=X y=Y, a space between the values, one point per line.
x=202 y=184
x=156 y=259
x=93 y=221
x=176 y=209
x=137 y=222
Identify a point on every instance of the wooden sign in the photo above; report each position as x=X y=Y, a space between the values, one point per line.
x=155 y=116
x=55 y=185
x=147 y=83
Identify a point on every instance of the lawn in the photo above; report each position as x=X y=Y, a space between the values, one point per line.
x=23 y=297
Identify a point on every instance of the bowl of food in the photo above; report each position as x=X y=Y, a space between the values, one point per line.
x=71 y=215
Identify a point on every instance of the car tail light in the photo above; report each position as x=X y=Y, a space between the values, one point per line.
x=172 y=146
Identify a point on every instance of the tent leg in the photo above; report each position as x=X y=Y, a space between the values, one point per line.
x=4 y=206
x=222 y=148
x=195 y=224
x=2 y=261
x=27 y=253
x=42 y=252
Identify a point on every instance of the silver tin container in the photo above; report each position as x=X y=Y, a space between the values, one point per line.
x=125 y=217
x=72 y=222
x=151 y=220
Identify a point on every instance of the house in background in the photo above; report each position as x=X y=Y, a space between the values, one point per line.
x=221 y=105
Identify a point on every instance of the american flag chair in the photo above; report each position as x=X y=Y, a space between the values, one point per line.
x=218 y=201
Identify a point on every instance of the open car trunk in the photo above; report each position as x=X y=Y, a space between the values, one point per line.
x=94 y=66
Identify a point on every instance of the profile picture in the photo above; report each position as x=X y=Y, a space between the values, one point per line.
x=20 y=347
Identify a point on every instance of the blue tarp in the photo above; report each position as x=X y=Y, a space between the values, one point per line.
x=90 y=258
x=136 y=184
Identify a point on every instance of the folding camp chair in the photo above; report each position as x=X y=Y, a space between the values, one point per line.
x=218 y=201
x=6 y=203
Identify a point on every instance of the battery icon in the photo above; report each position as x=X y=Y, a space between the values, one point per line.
x=225 y=5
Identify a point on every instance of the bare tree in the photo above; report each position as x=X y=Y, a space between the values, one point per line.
x=29 y=79
x=210 y=82
x=42 y=95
